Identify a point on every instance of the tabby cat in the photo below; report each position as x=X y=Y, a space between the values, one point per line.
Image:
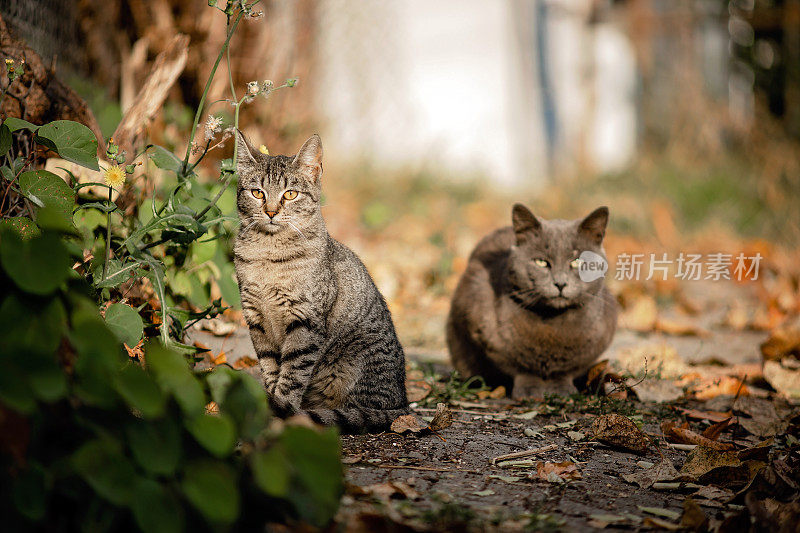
x=323 y=335
x=521 y=316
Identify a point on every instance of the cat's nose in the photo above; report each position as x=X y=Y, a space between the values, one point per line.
x=271 y=214
x=560 y=285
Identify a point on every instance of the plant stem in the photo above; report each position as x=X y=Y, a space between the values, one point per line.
x=108 y=235
x=205 y=91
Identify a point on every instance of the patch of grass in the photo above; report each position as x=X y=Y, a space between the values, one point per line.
x=581 y=403
x=451 y=388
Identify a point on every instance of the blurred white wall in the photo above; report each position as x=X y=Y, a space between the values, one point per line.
x=458 y=83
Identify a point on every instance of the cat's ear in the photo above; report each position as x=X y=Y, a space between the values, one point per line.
x=309 y=159
x=244 y=152
x=524 y=221
x=594 y=225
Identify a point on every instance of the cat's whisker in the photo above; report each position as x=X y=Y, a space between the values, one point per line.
x=253 y=223
x=296 y=229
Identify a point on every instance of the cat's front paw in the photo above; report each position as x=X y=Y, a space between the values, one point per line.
x=534 y=387
x=282 y=407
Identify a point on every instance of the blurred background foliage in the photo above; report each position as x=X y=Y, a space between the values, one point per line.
x=682 y=116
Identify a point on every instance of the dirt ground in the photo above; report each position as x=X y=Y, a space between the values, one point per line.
x=446 y=480
x=455 y=486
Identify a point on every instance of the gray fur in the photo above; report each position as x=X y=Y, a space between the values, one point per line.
x=323 y=335
x=510 y=323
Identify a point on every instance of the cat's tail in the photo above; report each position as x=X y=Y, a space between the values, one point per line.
x=357 y=419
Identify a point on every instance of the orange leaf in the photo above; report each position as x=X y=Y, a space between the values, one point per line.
x=715 y=430
x=245 y=362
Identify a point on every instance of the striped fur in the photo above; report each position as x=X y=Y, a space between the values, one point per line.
x=323 y=335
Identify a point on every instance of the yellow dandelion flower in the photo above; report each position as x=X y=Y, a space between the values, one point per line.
x=115 y=176
x=263 y=150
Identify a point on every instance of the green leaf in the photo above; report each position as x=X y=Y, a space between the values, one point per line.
x=23 y=226
x=211 y=488
x=173 y=375
x=47 y=189
x=271 y=471
x=15 y=391
x=73 y=141
x=32 y=325
x=39 y=265
x=56 y=220
x=125 y=322
x=166 y=160
x=29 y=493
x=315 y=459
x=156 y=445
x=5 y=139
x=103 y=466
x=156 y=509
x=246 y=402
x=15 y=124
x=216 y=433
x=100 y=359
x=140 y=391
x=45 y=376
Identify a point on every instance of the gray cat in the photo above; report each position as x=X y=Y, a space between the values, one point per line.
x=522 y=316
x=323 y=335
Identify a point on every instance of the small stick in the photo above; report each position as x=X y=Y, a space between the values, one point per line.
x=684 y=447
x=429 y=468
x=525 y=453
x=465 y=411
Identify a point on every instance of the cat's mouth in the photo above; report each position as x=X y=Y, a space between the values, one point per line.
x=559 y=303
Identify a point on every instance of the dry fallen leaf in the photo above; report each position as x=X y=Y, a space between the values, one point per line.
x=711 y=416
x=784 y=341
x=391 y=490
x=715 y=430
x=220 y=359
x=620 y=432
x=717 y=467
x=556 y=472
x=762 y=419
x=404 y=423
x=443 y=418
x=218 y=327
x=720 y=386
x=687 y=436
x=783 y=379
x=417 y=390
x=498 y=393
x=137 y=352
x=678 y=327
x=693 y=519
x=641 y=315
x=245 y=362
x=663 y=471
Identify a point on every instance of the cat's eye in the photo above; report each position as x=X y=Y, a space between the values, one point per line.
x=290 y=195
x=541 y=263
x=258 y=193
x=576 y=263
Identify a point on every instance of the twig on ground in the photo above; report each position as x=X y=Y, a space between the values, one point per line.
x=684 y=447
x=524 y=453
x=429 y=468
x=464 y=411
